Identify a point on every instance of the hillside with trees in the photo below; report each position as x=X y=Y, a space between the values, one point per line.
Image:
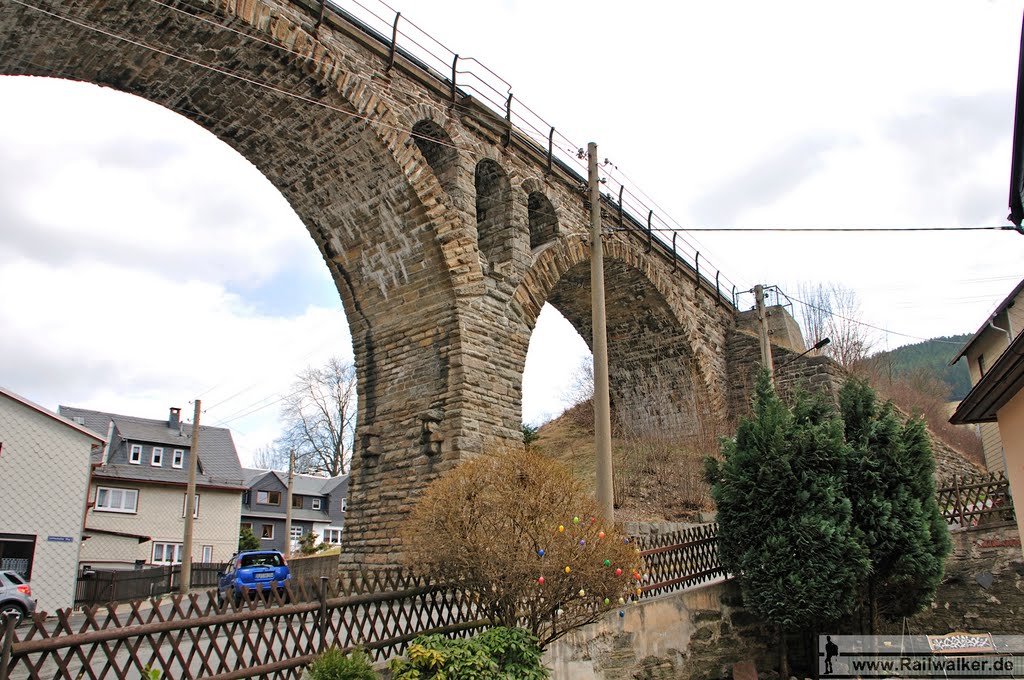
x=931 y=357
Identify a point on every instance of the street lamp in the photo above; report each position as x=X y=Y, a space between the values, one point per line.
x=818 y=345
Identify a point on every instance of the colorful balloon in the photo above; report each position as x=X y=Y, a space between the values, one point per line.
x=575 y=520
x=621 y=613
x=582 y=542
x=541 y=580
x=582 y=592
x=618 y=572
x=561 y=528
x=541 y=552
x=567 y=570
x=600 y=534
x=607 y=563
x=606 y=601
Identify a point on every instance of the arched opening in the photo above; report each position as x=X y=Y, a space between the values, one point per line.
x=437 y=148
x=543 y=220
x=155 y=265
x=493 y=212
x=663 y=420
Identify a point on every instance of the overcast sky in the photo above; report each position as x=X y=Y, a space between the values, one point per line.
x=143 y=263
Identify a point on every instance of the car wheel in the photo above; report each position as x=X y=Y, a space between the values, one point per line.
x=12 y=609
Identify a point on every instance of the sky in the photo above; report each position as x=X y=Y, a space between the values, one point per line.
x=144 y=264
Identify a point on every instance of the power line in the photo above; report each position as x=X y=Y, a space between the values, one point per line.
x=868 y=325
x=838 y=229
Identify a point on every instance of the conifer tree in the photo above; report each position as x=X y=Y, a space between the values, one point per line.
x=785 y=523
x=892 y=488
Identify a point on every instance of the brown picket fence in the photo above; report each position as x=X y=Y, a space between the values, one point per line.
x=976 y=502
x=194 y=636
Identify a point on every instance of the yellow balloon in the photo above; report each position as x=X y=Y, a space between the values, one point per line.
x=567 y=570
x=561 y=528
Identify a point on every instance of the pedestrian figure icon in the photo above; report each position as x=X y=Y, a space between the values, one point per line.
x=831 y=650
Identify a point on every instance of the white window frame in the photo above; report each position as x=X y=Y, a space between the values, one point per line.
x=166 y=549
x=178 y=459
x=315 y=504
x=330 y=533
x=296 y=532
x=105 y=496
x=344 y=504
x=195 y=510
x=207 y=553
x=135 y=454
x=157 y=459
x=267 y=538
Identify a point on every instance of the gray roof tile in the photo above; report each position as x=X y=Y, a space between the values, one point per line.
x=218 y=457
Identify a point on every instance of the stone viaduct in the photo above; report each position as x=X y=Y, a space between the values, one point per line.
x=444 y=232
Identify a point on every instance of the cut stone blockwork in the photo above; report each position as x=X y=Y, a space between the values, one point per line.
x=444 y=234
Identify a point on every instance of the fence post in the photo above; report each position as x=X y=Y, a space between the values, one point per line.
x=322 y=623
x=5 y=658
x=959 y=504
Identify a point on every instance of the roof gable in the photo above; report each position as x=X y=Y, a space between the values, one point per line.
x=54 y=416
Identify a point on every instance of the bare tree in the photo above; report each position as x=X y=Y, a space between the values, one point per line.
x=833 y=311
x=320 y=418
x=270 y=458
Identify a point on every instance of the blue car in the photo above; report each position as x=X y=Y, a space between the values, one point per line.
x=257 y=570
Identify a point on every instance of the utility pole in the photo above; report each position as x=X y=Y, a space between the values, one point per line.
x=190 y=501
x=288 y=508
x=762 y=331
x=602 y=406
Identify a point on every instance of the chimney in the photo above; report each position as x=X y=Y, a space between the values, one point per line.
x=174 y=422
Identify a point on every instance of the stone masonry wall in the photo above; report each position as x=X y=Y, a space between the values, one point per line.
x=982 y=590
x=696 y=634
x=440 y=325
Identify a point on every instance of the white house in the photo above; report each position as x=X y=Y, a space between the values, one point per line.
x=44 y=482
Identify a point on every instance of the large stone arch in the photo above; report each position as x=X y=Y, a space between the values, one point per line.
x=655 y=337
x=350 y=170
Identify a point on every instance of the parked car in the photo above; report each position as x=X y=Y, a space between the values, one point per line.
x=257 y=570
x=15 y=595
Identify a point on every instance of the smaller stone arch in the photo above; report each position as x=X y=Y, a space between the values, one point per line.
x=493 y=212
x=543 y=219
x=438 y=149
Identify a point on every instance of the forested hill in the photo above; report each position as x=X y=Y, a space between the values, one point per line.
x=933 y=357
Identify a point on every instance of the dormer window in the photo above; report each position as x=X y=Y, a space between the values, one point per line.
x=158 y=456
x=315 y=503
x=135 y=456
x=178 y=459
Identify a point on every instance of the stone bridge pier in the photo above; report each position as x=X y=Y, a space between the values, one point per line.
x=445 y=231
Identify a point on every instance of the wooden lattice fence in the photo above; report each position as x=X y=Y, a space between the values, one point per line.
x=975 y=502
x=193 y=636
x=680 y=559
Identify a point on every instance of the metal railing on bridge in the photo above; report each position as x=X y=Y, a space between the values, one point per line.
x=632 y=209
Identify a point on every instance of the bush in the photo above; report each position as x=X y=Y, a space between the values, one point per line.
x=497 y=654
x=334 y=665
x=308 y=544
x=247 y=540
x=518 y=532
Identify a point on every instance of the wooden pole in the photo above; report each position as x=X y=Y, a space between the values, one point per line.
x=602 y=407
x=190 y=499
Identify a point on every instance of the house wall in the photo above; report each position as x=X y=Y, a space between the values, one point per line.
x=44 y=475
x=990 y=345
x=1015 y=313
x=1011 y=427
x=159 y=516
x=111 y=552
